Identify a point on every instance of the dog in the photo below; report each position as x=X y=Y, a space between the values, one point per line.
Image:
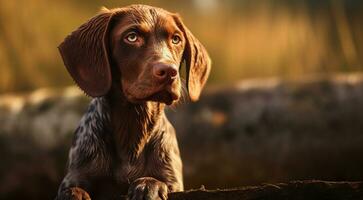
x=128 y=60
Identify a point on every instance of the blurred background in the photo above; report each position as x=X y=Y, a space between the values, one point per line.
x=284 y=100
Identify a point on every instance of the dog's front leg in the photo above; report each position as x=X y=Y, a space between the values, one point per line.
x=72 y=188
x=73 y=193
x=148 y=188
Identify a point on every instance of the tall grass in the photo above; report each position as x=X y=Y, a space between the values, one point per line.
x=245 y=38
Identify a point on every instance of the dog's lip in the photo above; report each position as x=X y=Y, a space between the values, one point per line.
x=165 y=94
x=168 y=96
x=174 y=95
x=162 y=96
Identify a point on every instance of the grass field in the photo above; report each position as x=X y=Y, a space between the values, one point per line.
x=246 y=39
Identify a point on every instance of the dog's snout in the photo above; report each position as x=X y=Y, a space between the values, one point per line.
x=163 y=71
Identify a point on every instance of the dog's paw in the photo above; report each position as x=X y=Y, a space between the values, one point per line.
x=74 y=193
x=80 y=194
x=147 y=188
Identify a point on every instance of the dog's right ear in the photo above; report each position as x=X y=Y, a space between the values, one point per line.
x=198 y=62
x=85 y=54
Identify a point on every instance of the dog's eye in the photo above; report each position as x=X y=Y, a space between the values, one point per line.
x=131 y=37
x=175 y=39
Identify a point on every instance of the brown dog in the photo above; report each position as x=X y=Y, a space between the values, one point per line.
x=128 y=60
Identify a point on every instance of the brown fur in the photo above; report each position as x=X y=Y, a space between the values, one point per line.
x=125 y=141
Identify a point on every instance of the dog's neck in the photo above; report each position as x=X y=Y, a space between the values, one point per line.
x=133 y=124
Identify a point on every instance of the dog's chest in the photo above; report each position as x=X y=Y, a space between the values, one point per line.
x=127 y=171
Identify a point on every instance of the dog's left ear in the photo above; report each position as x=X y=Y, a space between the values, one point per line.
x=85 y=54
x=198 y=63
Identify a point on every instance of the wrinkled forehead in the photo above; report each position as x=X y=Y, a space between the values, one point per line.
x=147 y=19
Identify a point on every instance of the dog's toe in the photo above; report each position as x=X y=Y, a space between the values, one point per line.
x=74 y=193
x=147 y=188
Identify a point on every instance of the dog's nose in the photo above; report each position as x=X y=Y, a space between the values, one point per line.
x=163 y=72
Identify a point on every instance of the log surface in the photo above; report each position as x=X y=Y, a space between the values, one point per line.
x=295 y=190
x=248 y=133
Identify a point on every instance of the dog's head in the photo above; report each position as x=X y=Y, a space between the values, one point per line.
x=139 y=50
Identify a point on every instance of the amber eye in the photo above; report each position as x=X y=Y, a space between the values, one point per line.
x=175 y=39
x=131 y=37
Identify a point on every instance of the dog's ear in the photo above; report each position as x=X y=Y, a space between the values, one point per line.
x=85 y=54
x=198 y=63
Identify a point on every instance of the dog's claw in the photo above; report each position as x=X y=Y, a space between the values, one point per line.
x=74 y=193
x=147 y=188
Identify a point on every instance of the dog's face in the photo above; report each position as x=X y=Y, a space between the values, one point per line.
x=138 y=49
x=147 y=48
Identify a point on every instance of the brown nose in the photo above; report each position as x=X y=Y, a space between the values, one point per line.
x=164 y=72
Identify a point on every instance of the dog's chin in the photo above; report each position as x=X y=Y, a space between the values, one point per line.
x=163 y=96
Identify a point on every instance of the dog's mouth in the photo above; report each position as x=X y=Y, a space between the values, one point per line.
x=165 y=95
